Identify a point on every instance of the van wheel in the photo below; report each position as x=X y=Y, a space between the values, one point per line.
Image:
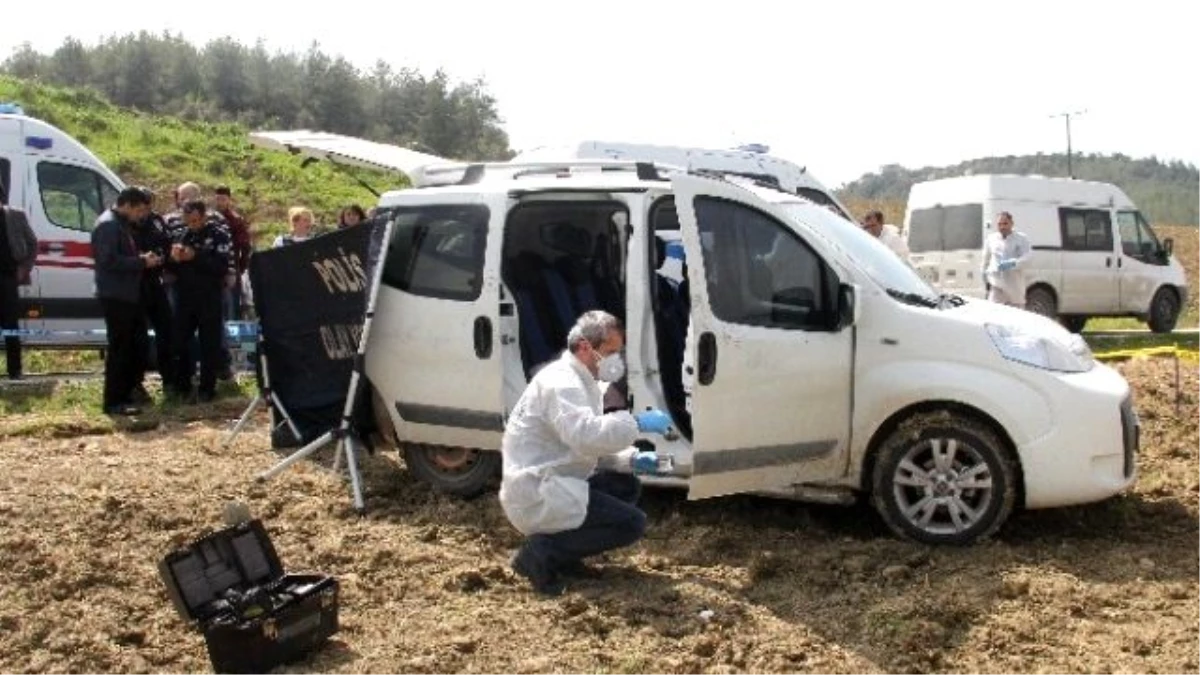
x=1164 y=311
x=1040 y=300
x=464 y=472
x=1074 y=324
x=943 y=478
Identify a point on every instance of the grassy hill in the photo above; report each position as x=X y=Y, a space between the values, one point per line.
x=162 y=152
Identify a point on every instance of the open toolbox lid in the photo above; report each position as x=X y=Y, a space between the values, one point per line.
x=239 y=557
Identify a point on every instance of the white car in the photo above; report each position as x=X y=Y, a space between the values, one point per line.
x=825 y=367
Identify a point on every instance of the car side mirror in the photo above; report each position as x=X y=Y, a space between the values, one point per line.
x=1168 y=245
x=849 y=309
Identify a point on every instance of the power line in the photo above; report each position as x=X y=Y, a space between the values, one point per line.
x=1067 y=116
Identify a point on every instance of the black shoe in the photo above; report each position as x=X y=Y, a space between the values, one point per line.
x=207 y=396
x=225 y=374
x=577 y=569
x=122 y=409
x=544 y=582
x=15 y=377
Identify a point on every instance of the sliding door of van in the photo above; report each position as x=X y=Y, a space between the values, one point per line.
x=1089 y=262
x=771 y=399
x=434 y=351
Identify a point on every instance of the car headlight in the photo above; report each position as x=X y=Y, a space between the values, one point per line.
x=1016 y=344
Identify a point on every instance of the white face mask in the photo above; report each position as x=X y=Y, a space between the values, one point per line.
x=611 y=368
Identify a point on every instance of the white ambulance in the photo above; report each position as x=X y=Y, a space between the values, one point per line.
x=1094 y=253
x=63 y=188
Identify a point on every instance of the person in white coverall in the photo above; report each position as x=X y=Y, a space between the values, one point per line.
x=1005 y=253
x=550 y=489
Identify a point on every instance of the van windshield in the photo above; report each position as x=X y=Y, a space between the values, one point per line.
x=872 y=256
x=946 y=228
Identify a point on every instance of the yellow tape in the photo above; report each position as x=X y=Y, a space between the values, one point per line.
x=1131 y=353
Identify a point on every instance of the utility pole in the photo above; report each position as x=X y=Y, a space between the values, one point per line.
x=1067 y=116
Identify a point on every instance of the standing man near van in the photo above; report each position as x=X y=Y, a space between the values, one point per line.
x=886 y=234
x=150 y=235
x=200 y=262
x=1005 y=252
x=18 y=251
x=556 y=433
x=119 y=270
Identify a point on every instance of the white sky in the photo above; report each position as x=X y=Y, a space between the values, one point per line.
x=840 y=86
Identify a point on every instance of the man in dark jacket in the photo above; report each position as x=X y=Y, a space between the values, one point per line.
x=200 y=260
x=18 y=250
x=150 y=235
x=119 y=268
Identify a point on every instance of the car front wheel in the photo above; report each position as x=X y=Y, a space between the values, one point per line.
x=465 y=472
x=944 y=478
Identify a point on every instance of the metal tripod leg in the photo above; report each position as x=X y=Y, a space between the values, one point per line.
x=237 y=428
x=345 y=443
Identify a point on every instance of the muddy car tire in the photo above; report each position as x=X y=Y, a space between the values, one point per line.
x=1040 y=300
x=1164 y=311
x=944 y=478
x=464 y=472
x=1074 y=323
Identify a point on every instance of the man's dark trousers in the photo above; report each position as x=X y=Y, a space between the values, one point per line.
x=9 y=318
x=198 y=310
x=612 y=522
x=156 y=314
x=122 y=321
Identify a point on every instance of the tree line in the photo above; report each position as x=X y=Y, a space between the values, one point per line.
x=1167 y=192
x=226 y=81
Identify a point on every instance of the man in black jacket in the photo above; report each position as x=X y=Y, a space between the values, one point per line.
x=150 y=234
x=18 y=250
x=200 y=260
x=119 y=268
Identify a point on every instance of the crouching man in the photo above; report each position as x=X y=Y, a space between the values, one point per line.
x=551 y=491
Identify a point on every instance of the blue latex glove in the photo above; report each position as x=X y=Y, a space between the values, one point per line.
x=1006 y=265
x=653 y=421
x=644 y=462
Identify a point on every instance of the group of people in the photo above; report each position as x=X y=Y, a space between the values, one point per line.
x=181 y=275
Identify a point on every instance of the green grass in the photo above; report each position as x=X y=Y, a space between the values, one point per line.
x=1188 y=320
x=60 y=409
x=163 y=152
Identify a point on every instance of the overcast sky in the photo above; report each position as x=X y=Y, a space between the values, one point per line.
x=840 y=86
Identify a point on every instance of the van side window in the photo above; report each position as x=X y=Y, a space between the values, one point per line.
x=73 y=196
x=1086 y=229
x=437 y=251
x=5 y=178
x=758 y=271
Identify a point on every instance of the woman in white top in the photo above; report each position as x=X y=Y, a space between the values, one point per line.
x=301 y=219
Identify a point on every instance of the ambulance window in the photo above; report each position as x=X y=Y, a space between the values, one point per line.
x=5 y=178
x=760 y=273
x=73 y=196
x=437 y=251
x=1086 y=229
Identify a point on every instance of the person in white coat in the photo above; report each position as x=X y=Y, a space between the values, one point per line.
x=550 y=489
x=888 y=235
x=1005 y=253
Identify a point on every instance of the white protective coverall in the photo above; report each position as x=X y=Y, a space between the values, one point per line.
x=1010 y=284
x=890 y=237
x=553 y=439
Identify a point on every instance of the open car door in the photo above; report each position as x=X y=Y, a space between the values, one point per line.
x=773 y=353
x=347 y=150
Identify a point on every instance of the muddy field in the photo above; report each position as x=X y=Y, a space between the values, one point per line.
x=1110 y=587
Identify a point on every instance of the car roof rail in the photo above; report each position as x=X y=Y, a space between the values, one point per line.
x=475 y=172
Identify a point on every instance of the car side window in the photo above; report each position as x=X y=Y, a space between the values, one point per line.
x=759 y=272
x=73 y=196
x=437 y=251
x=1086 y=229
x=5 y=177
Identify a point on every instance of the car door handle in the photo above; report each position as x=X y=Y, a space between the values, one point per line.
x=483 y=337
x=706 y=360
x=1108 y=262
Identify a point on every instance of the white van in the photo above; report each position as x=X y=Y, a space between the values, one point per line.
x=63 y=188
x=826 y=368
x=1094 y=253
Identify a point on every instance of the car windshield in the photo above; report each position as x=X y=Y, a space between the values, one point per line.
x=871 y=255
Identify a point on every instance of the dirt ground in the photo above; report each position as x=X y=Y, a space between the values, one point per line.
x=1110 y=587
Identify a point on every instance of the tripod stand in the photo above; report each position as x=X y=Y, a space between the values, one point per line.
x=264 y=394
x=343 y=435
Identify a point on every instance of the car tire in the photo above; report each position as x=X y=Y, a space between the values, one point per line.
x=1164 y=311
x=944 y=478
x=1040 y=300
x=1074 y=323
x=464 y=472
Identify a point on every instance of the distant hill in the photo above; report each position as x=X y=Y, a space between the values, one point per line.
x=161 y=152
x=1167 y=192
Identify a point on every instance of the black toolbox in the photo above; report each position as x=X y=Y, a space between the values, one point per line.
x=254 y=617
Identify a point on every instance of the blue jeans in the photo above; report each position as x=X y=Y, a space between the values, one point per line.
x=612 y=521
